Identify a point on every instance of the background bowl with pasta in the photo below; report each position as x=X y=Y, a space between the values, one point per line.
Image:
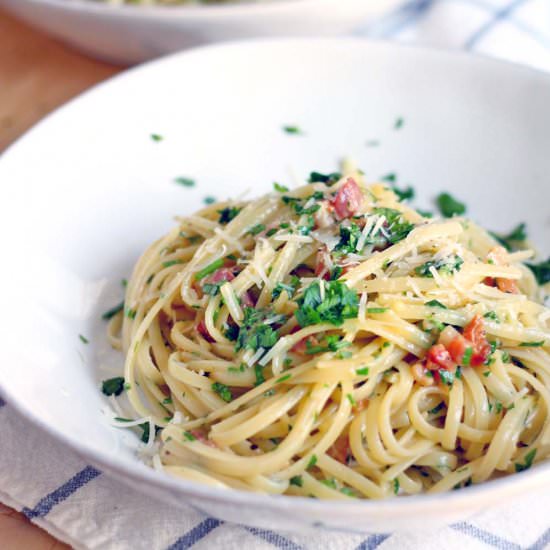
x=131 y=32
x=119 y=179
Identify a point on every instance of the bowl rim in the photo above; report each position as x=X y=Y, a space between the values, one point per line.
x=510 y=485
x=252 y=9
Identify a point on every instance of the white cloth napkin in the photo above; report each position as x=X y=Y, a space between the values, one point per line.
x=79 y=505
x=82 y=507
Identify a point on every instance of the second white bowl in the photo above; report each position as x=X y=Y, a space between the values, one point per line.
x=131 y=34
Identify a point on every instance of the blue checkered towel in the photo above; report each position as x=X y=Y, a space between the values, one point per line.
x=77 y=504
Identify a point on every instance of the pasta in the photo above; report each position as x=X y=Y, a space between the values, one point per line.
x=331 y=341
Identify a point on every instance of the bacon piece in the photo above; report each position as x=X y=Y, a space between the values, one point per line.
x=361 y=405
x=439 y=358
x=199 y=435
x=201 y=327
x=340 y=449
x=475 y=333
x=222 y=274
x=499 y=256
x=348 y=199
x=321 y=269
x=246 y=300
x=507 y=285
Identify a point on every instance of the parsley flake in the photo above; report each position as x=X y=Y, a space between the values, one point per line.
x=113 y=386
x=339 y=303
x=449 y=206
x=184 y=182
x=529 y=458
x=223 y=391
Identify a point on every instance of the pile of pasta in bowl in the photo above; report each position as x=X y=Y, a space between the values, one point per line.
x=333 y=342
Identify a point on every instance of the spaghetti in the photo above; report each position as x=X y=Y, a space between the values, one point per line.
x=333 y=342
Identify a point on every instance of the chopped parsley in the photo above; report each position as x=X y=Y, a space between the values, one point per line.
x=467 y=356
x=293 y=130
x=110 y=313
x=390 y=178
x=333 y=342
x=437 y=408
x=290 y=288
x=259 y=373
x=171 y=263
x=297 y=480
x=299 y=204
x=113 y=386
x=209 y=199
x=256 y=229
x=240 y=368
x=541 y=271
x=336 y=272
x=229 y=213
x=209 y=269
x=395 y=486
x=397 y=226
x=254 y=333
x=329 y=482
x=349 y=237
x=130 y=313
x=448 y=377
x=189 y=436
x=283 y=378
x=529 y=458
x=185 y=182
x=146 y=427
x=312 y=462
x=339 y=303
x=446 y=266
x=156 y=137
x=532 y=344
x=492 y=315
x=435 y=303
x=515 y=237
x=449 y=206
x=406 y=194
x=399 y=122
x=351 y=399
x=280 y=188
x=212 y=289
x=83 y=339
x=376 y=310
x=363 y=371
x=223 y=391
x=327 y=179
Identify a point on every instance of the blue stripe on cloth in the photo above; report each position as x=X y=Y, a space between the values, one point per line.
x=500 y=15
x=542 y=542
x=485 y=536
x=374 y=541
x=197 y=533
x=273 y=538
x=62 y=493
x=405 y=15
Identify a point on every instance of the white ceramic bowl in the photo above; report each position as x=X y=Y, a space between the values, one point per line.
x=130 y=34
x=85 y=191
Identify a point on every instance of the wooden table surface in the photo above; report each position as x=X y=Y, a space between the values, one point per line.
x=37 y=74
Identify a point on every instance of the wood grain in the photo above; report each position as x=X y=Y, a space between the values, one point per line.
x=37 y=74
